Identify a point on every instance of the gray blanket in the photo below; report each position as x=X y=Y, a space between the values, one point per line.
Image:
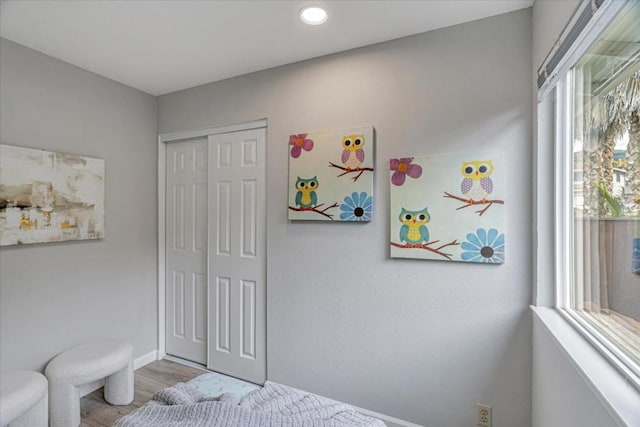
x=272 y=406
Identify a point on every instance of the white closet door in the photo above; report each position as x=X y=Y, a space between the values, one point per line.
x=186 y=249
x=237 y=258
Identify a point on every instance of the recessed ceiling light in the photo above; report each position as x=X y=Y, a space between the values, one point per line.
x=313 y=15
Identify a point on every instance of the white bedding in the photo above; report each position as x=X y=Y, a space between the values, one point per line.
x=274 y=405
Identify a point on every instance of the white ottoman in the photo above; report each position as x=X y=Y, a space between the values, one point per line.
x=23 y=399
x=108 y=359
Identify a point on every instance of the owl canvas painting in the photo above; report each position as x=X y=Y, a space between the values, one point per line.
x=331 y=175
x=448 y=208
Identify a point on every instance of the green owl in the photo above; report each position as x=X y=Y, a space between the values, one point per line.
x=414 y=230
x=306 y=197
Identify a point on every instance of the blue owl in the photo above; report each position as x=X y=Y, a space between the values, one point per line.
x=414 y=230
x=306 y=196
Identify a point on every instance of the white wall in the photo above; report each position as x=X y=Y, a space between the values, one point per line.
x=549 y=19
x=418 y=340
x=55 y=296
x=560 y=395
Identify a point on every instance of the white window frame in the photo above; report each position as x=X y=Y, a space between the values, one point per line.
x=563 y=178
x=565 y=234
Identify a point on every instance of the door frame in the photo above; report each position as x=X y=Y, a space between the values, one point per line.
x=163 y=140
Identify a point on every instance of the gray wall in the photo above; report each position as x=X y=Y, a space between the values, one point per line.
x=572 y=402
x=54 y=296
x=561 y=397
x=549 y=19
x=419 y=340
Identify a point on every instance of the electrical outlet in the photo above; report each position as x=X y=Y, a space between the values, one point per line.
x=483 y=415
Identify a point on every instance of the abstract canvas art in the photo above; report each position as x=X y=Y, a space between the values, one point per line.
x=49 y=197
x=448 y=208
x=331 y=175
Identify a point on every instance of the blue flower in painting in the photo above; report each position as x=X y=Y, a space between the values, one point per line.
x=357 y=207
x=483 y=246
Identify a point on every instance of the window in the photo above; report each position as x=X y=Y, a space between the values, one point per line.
x=598 y=113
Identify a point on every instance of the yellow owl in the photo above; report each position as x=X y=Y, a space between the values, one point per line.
x=352 y=152
x=477 y=184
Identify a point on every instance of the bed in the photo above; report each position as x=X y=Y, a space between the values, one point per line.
x=273 y=405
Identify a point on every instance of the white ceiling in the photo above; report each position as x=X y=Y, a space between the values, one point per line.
x=164 y=46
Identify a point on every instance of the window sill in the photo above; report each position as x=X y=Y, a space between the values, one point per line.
x=615 y=391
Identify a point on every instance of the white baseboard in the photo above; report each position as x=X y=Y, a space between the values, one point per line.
x=138 y=363
x=389 y=421
x=145 y=359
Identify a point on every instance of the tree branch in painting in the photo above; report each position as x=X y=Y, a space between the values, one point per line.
x=317 y=210
x=468 y=203
x=427 y=246
x=358 y=171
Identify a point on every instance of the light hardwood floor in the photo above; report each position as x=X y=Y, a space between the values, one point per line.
x=149 y=379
